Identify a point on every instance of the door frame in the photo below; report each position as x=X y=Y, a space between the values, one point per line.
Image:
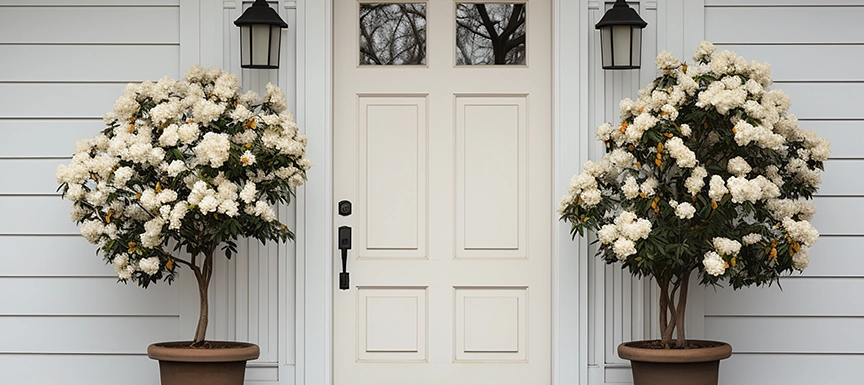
x=313 y=348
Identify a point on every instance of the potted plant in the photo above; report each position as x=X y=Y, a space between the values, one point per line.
x=707 y=173
x=183 y=169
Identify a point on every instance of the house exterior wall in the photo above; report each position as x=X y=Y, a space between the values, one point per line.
x=61 y=310
x=808 y=327
x=60 y=307
x=804 y=333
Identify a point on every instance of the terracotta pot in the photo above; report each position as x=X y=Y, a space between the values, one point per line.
x=180 y=365
x=698 y=366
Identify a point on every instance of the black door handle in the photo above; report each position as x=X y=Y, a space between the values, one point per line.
x=344 y=246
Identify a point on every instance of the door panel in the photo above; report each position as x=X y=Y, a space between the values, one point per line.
x=449 y=171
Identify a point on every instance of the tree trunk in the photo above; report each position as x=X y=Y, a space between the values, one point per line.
x=203 y=277
x=682 y=305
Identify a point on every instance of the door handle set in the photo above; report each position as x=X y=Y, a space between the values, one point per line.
x=344 y=244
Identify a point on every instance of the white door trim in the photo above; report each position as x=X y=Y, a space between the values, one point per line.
x=313 y=334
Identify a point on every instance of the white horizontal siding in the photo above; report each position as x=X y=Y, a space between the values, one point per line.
x=87 y=63
x=38 y=256
x=772 y=334
x=60 y=304
x=86 y=334
x=836 y=178
x=844 y=61
x=44 y=100
x=77 y=296
x=839 y=215
x=791 y=369
x=780 y=3
x=834 y=256
x=29 y=138
x=845 y=136
x=799 y=296
x=78 y=369
x=36 y=215
x=761 y=25
x=824 y=100
x=87 y=25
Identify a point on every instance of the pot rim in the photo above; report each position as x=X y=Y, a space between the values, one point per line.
x=169 y=351
x=715 y=353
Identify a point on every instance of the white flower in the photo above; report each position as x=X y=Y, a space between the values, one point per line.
x=213 y=149
x=685 y=210
x=696 y=180
x=717 y=188
x=170 y=136
x=669 y=112
x=91 y=230
x=149 y=266
x=176 y=167
x=247 y=159
x=704 y=51
x=208 y=204
x=744 y=190
x=714 y=265
x=247 y=194
x=624 y=247
x=678 y=150
x=591 y=197
x=801 y=259
x=607 y=234
x=738 y=166
x=188 y=132
x=751 y=238
x=726 y=246
x=801 y=231
x=648 y=186
x=152 y=236
x=177 y=214
x=275 y=98
x=630 y=188
x=666 y=61
x=122 y=175
x=603 y=132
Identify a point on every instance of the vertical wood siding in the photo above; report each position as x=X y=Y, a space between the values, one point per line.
x=811 y=324
x=63 y=316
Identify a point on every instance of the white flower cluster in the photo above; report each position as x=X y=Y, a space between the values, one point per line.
x=173 y=148
x=624 y=232
x=683 y=210
x=714 y=264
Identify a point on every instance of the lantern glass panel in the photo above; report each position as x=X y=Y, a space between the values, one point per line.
x=606 y=45
x=245 y=45
x=636 y=54
x=621 y=45
x=275 y=43
x=260 y=44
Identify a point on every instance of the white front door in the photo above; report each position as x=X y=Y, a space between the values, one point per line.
x=447 y=162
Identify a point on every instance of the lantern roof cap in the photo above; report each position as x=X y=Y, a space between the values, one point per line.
x=260 y=13
x=621 y=14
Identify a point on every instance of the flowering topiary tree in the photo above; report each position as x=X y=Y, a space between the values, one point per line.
x=707 y=172
x=185 y=166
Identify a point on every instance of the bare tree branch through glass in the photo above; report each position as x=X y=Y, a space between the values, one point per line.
x=392 y=34
x=490 y=34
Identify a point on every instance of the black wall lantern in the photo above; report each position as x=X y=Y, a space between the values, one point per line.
x=260 y=36
x=621 y=37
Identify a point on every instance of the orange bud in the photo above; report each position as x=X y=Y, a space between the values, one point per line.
x=158 y=187
x=642 y=195
x=668 y=135
x=684 y=68
x=638 y=164
x=170 y=264
x=631 y=147
x=248 y=145
x=659 y=147
x=734 y=130
x=641 y=109
x=658 y=162
x=773 y=253
x=714 y=204
x=138 y=196
x=725 y=265
x=585 y=219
